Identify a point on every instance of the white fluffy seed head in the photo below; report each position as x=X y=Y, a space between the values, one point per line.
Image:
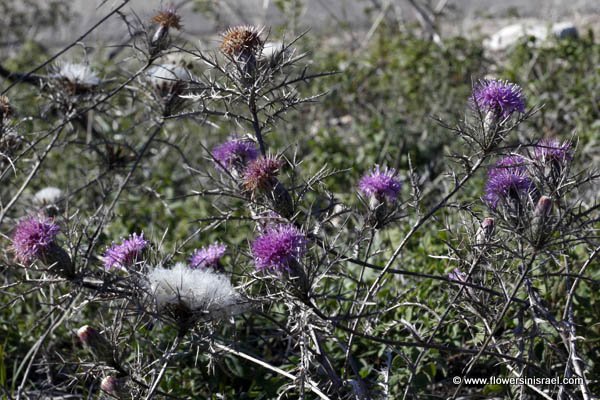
x=202 y=291
x=48 y=195
x=79 y=74
x=167 y=79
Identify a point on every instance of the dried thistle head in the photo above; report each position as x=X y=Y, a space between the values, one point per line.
x=241 y=40
x=168 y=18
x=262 y=173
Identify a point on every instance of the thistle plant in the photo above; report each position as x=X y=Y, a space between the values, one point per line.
x=261 y=271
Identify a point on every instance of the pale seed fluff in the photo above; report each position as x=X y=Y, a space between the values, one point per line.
x=48 y=195
x=168 y=79
x=79 y=74
x=202 y=291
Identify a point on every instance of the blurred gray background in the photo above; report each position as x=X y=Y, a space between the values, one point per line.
x=460 y=16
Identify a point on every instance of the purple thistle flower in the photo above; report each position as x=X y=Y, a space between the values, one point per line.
x=125 y=254
x=499 y=97
x=278 y=247
x=208 y=256
x=507 y=179
x=381 y=184
x=552 y=150
x=33 y=236
x=235 y=151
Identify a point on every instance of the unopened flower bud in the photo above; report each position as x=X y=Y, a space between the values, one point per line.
x=485 y=231
x=96 y=343
x=543 y=207
x=540 y=220
x=115 y=387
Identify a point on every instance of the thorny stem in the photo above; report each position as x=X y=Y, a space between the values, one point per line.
x=256 y=123
x=441 y=321
x=312 y=385
x=572 y=334
x=498 y=319
x=166 y=358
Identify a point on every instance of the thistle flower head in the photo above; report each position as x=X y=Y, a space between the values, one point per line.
x=168 y=18
x=552 y=150
x=508 y=179
x=235 y=152
x=33 y=237
x=126 y=254
x=278 y=246
x=78 y=77
x=261 y=173
x=208 y=256
x=241 y=40
x=193 y=291
x=501 y=98
x=381 y=184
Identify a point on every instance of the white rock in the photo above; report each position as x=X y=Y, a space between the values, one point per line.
x=542 y=31
x=510 y=35
x=563 y=30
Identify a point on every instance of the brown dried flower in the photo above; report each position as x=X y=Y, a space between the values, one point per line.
x=261 y=174
x=168 y=18
x=241 y=40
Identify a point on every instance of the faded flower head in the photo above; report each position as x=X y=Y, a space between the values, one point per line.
x=208 y=256
x=241 y=40
x=261 y=173
x=193 y=292
x=508 y=179
x=552 y=150
x=501 y=98
x=381 y=184
x=33 y=237
x=235 y=152
x=168 y=18
x=126 y=254
x=278 y=246
x=78 y=78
